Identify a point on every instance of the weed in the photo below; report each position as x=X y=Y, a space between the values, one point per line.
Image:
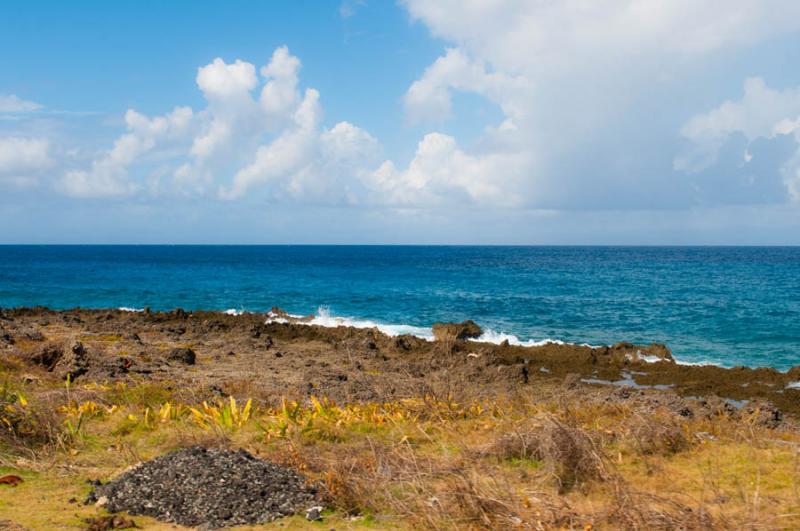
x=567 y=454
x=224 y=415
x=657 y=434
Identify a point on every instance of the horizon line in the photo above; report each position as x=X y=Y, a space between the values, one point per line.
x=629 y=245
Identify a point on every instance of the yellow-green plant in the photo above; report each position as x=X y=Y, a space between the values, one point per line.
x=76 y=413
x=227 y=416
x=13 y=404
x=167 y=412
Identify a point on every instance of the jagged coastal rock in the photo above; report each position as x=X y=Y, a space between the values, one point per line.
x=449 y=331
x=297 y=359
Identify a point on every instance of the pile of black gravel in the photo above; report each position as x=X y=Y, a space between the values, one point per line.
x=208 y=487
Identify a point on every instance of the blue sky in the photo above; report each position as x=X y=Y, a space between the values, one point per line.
x=615 y=122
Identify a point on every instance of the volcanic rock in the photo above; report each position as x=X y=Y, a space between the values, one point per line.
x=67 y=363
x=208 y=487
x=466 y=330
x=186 y=356
x=74 y=363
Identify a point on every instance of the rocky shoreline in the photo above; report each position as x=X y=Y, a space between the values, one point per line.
x=217 y=353
x=216 y=420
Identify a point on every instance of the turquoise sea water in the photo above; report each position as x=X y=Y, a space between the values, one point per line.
x=723 y=305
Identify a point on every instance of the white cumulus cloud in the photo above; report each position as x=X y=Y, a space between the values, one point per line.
x=761 y=112
x=279 y=95
x=268 y=140
x=306 y=162
x=552 y=36
x=577 y=83
x=14 y=104
x=429 y=98
x=441 y=172
x=763 y=115
x=23 y=159
x=109 y=174
x=569 y=77
x=221 y=81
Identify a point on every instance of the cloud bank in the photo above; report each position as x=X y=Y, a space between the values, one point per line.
x=261 y=134
x=569 y=79
x=258 y=135
x=763 y=120
x=582 y=91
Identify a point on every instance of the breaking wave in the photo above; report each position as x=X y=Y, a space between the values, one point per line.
x=490 y=336
x=325 y=318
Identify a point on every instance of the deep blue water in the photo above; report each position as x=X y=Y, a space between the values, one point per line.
x=731 y=306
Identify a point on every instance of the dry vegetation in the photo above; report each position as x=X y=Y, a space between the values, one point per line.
x=549 y=453
x=432 y=462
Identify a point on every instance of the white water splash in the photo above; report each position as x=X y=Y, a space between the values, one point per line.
x=490 y=336
x=697 y=363
x=325 y=318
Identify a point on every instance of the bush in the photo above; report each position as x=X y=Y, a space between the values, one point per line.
x=658 y=434
x=567 y=453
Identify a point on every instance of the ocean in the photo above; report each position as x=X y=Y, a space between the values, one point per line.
x=722 y=305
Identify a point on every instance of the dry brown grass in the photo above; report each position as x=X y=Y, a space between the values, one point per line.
x=568 y=454
x=634 y=509
x=656 y=433
x=30 y=426
x=545 y=460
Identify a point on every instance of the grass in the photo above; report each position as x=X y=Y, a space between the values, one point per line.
x=426 y=462
x=103 y=338
x=50 y=498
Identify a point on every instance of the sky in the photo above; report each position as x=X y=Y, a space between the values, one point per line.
x=634 y=122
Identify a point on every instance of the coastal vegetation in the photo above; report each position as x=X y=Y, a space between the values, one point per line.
x=552 y=453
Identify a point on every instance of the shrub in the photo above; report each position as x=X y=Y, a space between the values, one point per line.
x=567 y=453
x=658 y=434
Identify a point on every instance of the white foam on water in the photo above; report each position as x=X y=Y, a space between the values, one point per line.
x=793 y=385
x=491 y=336
x=323 y=317
x=233 y=311
x=126 y=309
x=647 y=358
x=273 y=317
x=696 y=363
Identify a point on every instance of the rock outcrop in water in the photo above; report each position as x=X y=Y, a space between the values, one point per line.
x=450 y=331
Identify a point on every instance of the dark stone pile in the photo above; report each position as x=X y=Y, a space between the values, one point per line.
x=208 y=487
